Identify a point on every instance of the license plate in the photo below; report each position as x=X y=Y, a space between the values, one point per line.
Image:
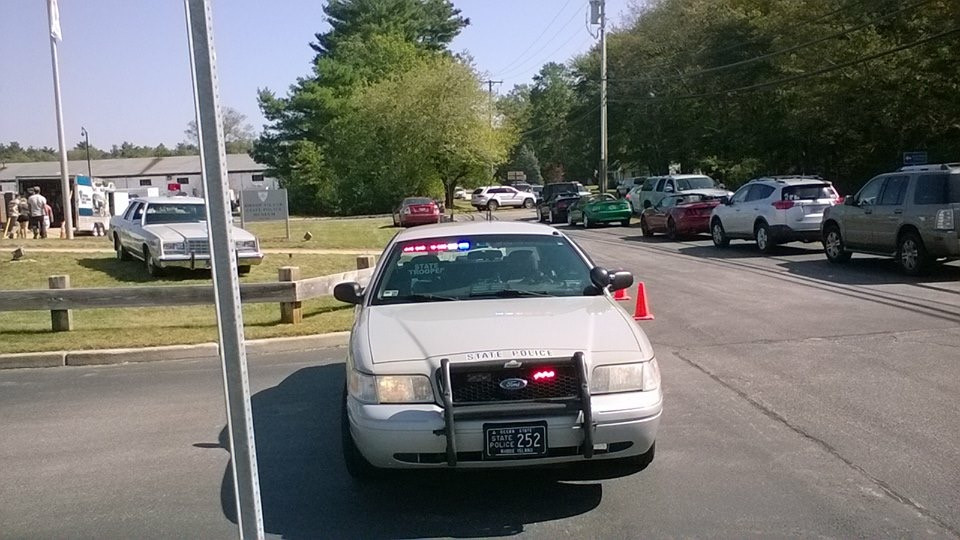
x=511 y=441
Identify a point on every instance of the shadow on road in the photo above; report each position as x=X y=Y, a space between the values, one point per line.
x=307 y=493
x=871 y=271
x=743 y=250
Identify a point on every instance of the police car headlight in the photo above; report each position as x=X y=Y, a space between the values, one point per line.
x=404 y=389
x=638 y=377
x=174 y=247
x=389 y=388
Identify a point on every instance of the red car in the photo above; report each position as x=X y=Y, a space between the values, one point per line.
x=686 y=213
x=416 y=211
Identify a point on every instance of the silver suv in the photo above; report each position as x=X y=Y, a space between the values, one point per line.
x=911 y=214
x=493 y=197
x=773 y=210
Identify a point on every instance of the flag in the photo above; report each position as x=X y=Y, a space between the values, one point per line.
x=55 y=32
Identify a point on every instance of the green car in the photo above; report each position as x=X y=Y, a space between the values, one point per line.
x=601 y=208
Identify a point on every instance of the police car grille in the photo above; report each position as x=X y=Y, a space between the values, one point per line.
x=471 y=385
x=200 y=247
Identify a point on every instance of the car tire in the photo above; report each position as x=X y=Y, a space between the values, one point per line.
x=357 y=466
x=528 y=203
x=671 y=229
x=586 y=222
x=718 y=234
x=644 y=228
x=764 y=241
x=493 y=205
x=833 y=246
x=152 y=269
x=912 y=256
x=243 y=269
x=625 y=223
x=570 y=220
x=122 y=254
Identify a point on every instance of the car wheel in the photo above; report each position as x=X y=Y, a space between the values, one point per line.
x=833 y=246
x=719 y=236
x=911 y=255
x=570 y=220
x=625 y=223
x=122 y=254
x=357 y=466
x=764 y=242
x=528 y=203
x=493 y=205
x=586 y=222
x=671 y=229
x=152 y=268
x=243 y=269
x=644 y=227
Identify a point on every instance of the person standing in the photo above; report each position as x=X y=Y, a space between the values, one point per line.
x=38 y=204
x=24 y=217
x=13 y=212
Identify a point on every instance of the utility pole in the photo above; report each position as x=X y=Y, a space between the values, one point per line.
x=53 y=16
x=490 y=84
x=602 y=4
x=86 y=142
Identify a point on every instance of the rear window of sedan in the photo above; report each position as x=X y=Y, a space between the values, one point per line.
x=482 y=267
x=417 y=200
x=808 y=192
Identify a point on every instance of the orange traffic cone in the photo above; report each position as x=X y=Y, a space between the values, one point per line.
x=642 y=312
x=621 y=295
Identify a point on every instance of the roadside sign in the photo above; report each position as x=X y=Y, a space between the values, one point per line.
x=915 y=158
x=264 y=205
x=516 y=175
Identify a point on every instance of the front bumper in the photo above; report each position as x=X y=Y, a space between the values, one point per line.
x=405 y=436
x=194 y=261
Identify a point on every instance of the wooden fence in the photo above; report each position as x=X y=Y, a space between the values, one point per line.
x=289 y=292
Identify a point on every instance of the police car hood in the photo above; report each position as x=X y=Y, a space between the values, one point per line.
x=429 y=330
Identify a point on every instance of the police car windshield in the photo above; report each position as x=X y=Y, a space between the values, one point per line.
x=482 y=267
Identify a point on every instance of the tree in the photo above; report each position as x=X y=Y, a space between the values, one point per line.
x=551 y=101
x=523 y=158
x=238 y=135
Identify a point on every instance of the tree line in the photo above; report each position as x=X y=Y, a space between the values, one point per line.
x=740 y=88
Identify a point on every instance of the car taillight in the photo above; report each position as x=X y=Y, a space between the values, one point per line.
x=783 y=205
x=406 y=210
x=838 y=200
x=945 y=220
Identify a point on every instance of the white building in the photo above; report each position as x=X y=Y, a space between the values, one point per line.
x=168 y=174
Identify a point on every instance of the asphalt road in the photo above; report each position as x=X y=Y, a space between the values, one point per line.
x=803 y=399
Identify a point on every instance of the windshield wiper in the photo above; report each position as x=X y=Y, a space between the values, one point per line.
x=423 y=298
x=510 y=293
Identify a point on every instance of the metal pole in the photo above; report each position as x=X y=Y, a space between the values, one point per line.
x=61 y=138
x=603 y=96
x=86 y=141
x=233 y=358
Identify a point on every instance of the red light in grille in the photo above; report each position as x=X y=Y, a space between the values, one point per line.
x=544 y=375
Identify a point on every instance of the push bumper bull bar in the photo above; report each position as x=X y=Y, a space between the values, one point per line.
x=580 y=405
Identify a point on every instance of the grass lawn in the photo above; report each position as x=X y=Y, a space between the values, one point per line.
x=360 y=233
x=26 y=331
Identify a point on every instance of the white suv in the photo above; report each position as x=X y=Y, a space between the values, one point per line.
x=493 y=197
x=773 y=210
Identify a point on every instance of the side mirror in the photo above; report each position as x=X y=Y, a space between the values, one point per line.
x=620 y=280
x=348 y=293
x=600 y=277
x=850 y=201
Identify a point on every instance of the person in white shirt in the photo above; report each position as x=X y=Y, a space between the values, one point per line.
x=38 y=205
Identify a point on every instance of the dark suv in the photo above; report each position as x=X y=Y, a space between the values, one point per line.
x=548 y=209
x=911 y=214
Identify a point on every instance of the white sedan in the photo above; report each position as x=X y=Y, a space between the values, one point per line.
x=494 y=344
x=168 y=232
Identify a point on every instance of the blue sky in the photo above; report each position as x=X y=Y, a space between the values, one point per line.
x=125 y=72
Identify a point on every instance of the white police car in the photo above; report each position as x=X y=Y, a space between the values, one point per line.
x=494 y=344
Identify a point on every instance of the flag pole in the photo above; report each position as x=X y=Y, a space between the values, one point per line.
x=53 y=15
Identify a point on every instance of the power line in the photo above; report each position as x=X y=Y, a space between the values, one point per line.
x=529 y=67
x=792 y=78
x=575 y=121
x=546 y=43
x=779 y=52
x=537 y=39
x=801 y=24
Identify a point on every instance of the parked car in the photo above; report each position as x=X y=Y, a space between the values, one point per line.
x=552 y=190
x=555 y=211
x=538 y=192
x=460 y=193
x=682 y=214
x=416 y=211
x=601 y=208
x=658 y=187
x=573 y=380
x=912 y=214
x=773 y=210
x=493 y=197
x=549 y=195
x=633 y=199
x=522 y=186
x=167 y=232
x=628 y=184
